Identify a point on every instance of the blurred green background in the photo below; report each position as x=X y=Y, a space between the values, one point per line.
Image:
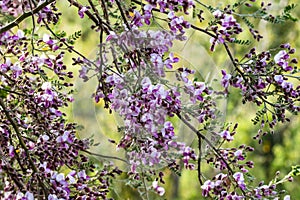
x=277 y=152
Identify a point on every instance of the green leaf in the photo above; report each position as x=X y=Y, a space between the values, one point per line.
x=295 y=170
x=3 y=93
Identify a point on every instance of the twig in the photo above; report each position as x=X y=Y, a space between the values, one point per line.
x=123 y=15
x=68 y=46
x=199 y=161
x=201 y=136
x=105 y=157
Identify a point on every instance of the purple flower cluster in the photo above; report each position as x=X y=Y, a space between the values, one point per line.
x=226 y=26
x=267 y=72
x=13 y=7
x=217 y=186
x=171 y=7
x=177 y=23
x=145 y=113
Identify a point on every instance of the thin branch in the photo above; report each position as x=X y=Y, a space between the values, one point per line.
x=68 y=46
x=95 y=11
x=18 y=20
x=104 y=8
x=201 y=136
x=199 y=161
x=33 y=26
x=14 y=92
x=105 y=157
x=217 y=153
x=123 y=15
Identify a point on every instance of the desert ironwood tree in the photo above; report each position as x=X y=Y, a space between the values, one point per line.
x=139 y=78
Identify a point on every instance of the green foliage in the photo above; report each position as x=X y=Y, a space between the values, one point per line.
x=72 y=38
x=3 y=93
x=242 y=42
x=295 y=170
x=61 y=34
x=238 y=4
x=285 y=16
x=247 y=22
x=6 y=19
x=259 y=116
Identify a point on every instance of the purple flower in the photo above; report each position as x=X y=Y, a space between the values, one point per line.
x=147 y=13
x=228 y=21
x=29 y=196
x=82 y=175
x=278 y=78
x=281 y=59
x=158 y=189
x=281 y=55
x=20 y=34
x=170 y=60
x=82 y=11
x=239 y=154
x=82 y=73
x=112 y=35
x=217 y=13
x=225 y=79
x=177 y=23
x=239 y=178
x=226 y=135
x=207 y=187
x=53 y=197
x=47 y=40
x=60 y=177
x=137 y=19
x=11 y=151
x=287 y=197
x=17 y=70
x=46 y=86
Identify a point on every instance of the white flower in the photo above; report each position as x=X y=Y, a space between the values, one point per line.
x=60 y=177
x=279 y=56
x=217 y=13
x=29 y=196
x=20 y=34
x=46 y=86
x=287 y=197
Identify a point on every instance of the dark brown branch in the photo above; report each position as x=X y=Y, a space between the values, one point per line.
x=18 y=20
x=95 y=11
x=104 y=8
x=199 y=161
x=122 y=14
